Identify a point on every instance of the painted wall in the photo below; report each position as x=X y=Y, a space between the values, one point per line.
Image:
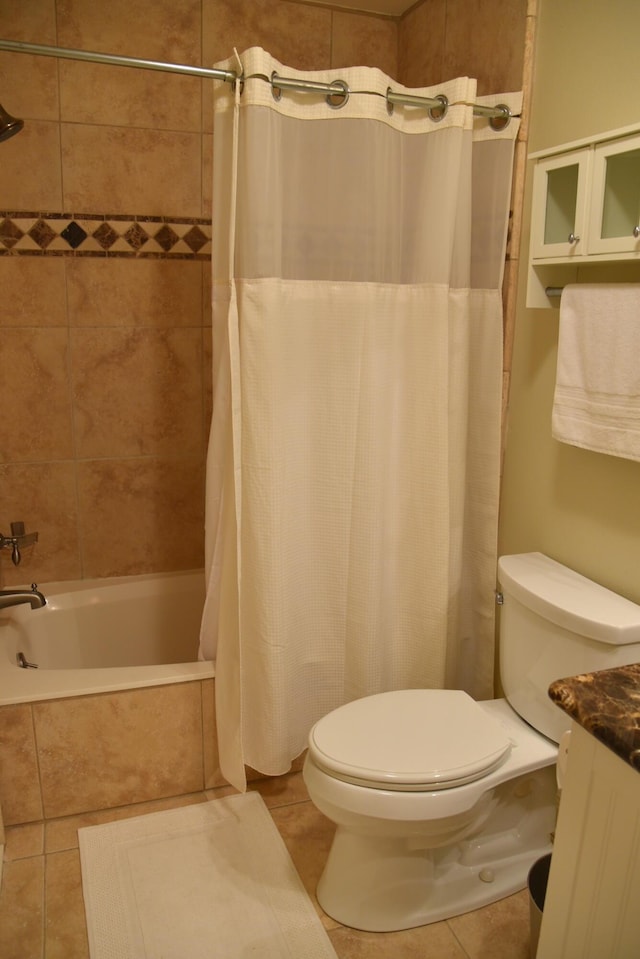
x=105 y=393
x=579 y=507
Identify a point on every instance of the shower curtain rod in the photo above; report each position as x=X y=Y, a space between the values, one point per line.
x=437 y=106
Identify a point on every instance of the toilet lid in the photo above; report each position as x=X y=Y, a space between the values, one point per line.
x=411 y=739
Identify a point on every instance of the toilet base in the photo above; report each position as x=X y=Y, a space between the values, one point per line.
x=382 y=884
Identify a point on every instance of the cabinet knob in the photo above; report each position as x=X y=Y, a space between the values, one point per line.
x=572 y=238
x=636 y=231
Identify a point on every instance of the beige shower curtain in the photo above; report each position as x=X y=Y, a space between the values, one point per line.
x=353 y=468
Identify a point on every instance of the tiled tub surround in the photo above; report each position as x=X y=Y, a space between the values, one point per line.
x=607 y=704
x=90 y=729
x=86 y=753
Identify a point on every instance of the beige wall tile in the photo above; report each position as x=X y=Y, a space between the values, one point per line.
x=141 y=515
x=124 y=96
x=22 y=909
x=359 y=40
x=19 y=784
x=421 y=44
x=150 y=29
x=36 y=287
x=34 y=395
x=212 y=775
x=43 y=496
x=486 y=40
x=137 y=391
x=126 y=170
x=111 y=750
x=31 y=171
x=294 y=33
x=133 y=292
x=24 y=21
x=29 y=84
x=207 y=166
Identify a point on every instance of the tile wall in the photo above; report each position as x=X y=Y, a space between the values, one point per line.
x=104 y=252
x=67 y=756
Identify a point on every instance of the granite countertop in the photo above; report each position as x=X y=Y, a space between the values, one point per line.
x=607 y=705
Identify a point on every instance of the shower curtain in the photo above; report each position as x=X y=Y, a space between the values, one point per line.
x=353 y=464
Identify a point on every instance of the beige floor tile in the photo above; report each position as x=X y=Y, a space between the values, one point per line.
x=498 y=931
x=24 y=841
x=281 y=790
x=307 y=835
x=435 y=941
x=66 y=928
x=22 y=909
x=62 y=834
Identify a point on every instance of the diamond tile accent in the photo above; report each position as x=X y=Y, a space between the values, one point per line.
x=10 y=233
x=42 y=234
x=136 y=236
x=195 y=239
x=105 y=235
x=95 y=234
x=74 y=235
x=166 y=237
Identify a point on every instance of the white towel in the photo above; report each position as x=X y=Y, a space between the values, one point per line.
x=597 y=397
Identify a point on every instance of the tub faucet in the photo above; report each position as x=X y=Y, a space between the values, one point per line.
x=14 y=597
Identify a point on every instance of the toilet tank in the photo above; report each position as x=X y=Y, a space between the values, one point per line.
x=556 y=623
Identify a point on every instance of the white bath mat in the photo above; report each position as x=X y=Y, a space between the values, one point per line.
x=210 y=881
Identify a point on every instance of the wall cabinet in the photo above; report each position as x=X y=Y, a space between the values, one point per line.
x=585 y=210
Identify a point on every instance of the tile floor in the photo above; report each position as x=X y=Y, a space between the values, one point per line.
x=42 y=911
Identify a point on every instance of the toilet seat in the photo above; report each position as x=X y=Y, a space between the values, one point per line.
x=409 y=740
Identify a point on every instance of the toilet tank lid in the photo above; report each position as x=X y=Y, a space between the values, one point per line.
x=568 y=599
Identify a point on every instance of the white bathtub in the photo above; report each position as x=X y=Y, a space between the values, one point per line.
x=100 y=635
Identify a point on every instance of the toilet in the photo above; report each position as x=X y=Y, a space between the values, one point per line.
x=441 y=803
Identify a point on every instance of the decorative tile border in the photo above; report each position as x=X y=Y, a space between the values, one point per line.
x=86 y=234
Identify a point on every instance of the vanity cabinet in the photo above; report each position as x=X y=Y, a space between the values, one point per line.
x=585 y=210
x=591 y=909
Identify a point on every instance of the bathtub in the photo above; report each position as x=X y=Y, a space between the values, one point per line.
x=100 y=635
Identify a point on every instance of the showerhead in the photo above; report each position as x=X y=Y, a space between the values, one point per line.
x=8 y=124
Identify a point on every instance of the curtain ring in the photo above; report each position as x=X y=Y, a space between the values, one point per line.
x=440 y=112
x=499 y=123
x=276 y=92
x=340 y=97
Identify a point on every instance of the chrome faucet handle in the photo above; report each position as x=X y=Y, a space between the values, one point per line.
x=17 y=540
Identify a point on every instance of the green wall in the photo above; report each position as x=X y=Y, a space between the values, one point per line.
x=579 y=507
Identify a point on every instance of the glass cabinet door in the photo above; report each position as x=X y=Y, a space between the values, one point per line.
x=559 y=205
x=615 y=215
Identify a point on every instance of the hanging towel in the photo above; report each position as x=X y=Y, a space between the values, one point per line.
x=597 y=397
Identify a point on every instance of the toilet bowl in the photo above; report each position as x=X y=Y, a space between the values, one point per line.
x=442 y=803
x=406 y=851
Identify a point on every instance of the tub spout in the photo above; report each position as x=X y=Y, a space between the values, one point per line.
x=14 y=597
